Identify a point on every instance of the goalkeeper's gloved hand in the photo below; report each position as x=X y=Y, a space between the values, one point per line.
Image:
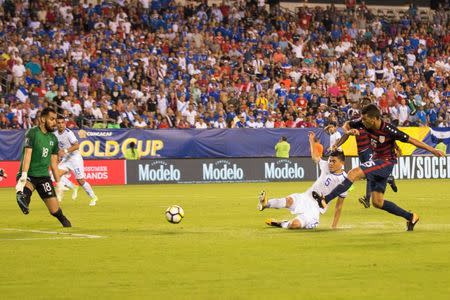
x=21 y=182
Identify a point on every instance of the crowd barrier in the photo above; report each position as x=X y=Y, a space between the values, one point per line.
x=160 y=171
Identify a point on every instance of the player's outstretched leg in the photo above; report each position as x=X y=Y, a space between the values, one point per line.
x=54 y=209
x=286 y=224
x=70 y=185
x=391 y=181
x=262 y=201
x=392 y=208
x=88 y=189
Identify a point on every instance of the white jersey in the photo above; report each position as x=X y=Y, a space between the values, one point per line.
x=334 y=138
x=327 y=181
x=67 y=139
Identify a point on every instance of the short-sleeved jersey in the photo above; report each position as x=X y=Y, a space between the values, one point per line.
x=65 y=140
x=327 y=181
x=43 y=145
x=362 y=140
x=382 y=140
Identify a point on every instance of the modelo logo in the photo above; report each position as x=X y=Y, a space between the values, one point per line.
x=222 y=170
x=158 y=171
x=283 y=169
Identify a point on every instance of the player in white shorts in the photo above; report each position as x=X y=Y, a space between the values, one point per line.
x=304 y=206
x=71 y=161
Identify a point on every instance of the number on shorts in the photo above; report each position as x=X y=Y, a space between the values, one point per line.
x=368 y=164
x=47 y=187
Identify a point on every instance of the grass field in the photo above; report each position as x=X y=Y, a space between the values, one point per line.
x=222 y=249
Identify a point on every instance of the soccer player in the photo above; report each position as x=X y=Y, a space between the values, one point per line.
x=303 y=205
x=71 y=161
x=382 y=138
x=40 y=152
x=364 y=154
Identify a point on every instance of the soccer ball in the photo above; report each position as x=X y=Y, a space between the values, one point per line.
x=174 y=214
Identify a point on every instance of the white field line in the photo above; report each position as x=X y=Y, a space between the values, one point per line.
x=62 y=235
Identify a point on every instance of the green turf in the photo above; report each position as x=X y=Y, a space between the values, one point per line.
x=222 y=249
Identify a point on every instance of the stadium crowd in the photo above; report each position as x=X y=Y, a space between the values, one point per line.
x=160 y=64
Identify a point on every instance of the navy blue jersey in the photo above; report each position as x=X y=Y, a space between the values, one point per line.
x=382 y=140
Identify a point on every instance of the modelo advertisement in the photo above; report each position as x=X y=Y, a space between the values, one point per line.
x=220 y=170
x=419 y=167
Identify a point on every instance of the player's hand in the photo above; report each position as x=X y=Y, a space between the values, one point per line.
x=438 y=153
x=61 y=153
x=21 y=182
x=353 y=131
x=311 y=135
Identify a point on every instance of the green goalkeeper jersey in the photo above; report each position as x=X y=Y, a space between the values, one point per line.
x=43 y=145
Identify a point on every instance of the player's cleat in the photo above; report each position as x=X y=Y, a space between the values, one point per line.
x=274 y=223
x=364 y=201
x=411 y=223
x=66 y=223
x=75 y=192
x=21 y=201
x=262 y=201
x=391 y=182
x=93 y=201
x=320 y=199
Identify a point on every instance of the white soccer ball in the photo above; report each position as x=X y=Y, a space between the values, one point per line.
x=174 y=214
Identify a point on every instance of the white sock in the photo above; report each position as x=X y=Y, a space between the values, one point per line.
x=67 y=182
x=285 y=224
x=277 y=203
x=87 y=187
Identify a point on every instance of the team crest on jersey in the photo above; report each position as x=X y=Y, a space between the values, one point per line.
x=381 y=139
x=51 y=143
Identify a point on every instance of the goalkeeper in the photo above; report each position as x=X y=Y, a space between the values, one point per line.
x=40 y=151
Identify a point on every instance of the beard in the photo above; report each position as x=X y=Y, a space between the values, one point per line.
x=49 y=128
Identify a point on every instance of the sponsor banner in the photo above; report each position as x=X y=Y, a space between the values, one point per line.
x=418 y=167
x=97 y=172
x=11 y=168
x=195 y=143
x=104 y=172
x=220 y=170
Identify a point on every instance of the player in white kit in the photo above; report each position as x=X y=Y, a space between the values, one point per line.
x=71 y=161
x=304 y=206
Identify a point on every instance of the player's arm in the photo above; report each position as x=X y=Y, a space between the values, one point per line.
x=340 y=141
x=72 y=148
x=315 y=156
x=26 y=160
x=424 y=146
x=403 y=137
x=337 y=212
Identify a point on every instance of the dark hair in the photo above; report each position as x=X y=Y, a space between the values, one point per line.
x=46 y=111
x=372 y=111
x=283 y=138
x=332 y=123
x=339 y=154
x=60 y=117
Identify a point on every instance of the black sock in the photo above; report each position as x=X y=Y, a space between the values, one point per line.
x=368 y=191
x=390 y=179
x=61 y=218
x=392 y=208
x=341 y=188
x=27 y=192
